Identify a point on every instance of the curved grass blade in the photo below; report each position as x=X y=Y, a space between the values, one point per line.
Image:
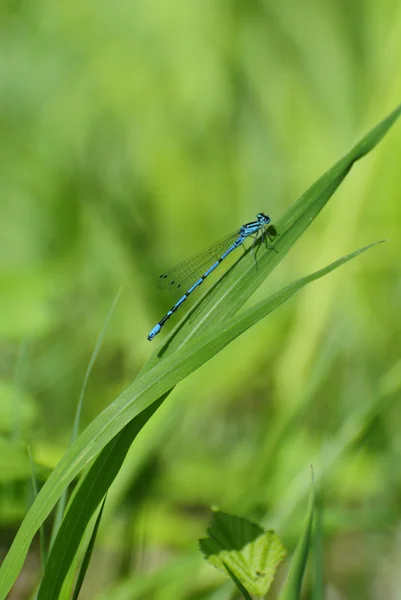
x=238 y=284
x=217 y=305
x=99 y=478
x=88 y=555
x=145 y=390
x=84 y=502
x=292 y=587
x=221 y=301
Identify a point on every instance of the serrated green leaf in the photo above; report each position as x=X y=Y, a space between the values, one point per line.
x=249 y=552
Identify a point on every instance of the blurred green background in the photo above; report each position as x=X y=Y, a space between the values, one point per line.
x=133 y=134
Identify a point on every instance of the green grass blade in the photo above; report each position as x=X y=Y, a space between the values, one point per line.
x=62 y=502
x=42 y=542
x=292 y=587
x=238 y=284
x=86 y=498
x=317 y=550
x=88 y=554
x=140 y=395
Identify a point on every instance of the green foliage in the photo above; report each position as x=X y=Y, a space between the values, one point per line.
x=245 y=550
x=150 y=386
x=132 y=135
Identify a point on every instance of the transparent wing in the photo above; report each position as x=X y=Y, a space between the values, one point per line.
x=189 y=270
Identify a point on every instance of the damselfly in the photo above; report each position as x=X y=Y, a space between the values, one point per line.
x=193 y=268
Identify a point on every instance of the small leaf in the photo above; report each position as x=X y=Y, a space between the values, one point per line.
x=243 y=549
